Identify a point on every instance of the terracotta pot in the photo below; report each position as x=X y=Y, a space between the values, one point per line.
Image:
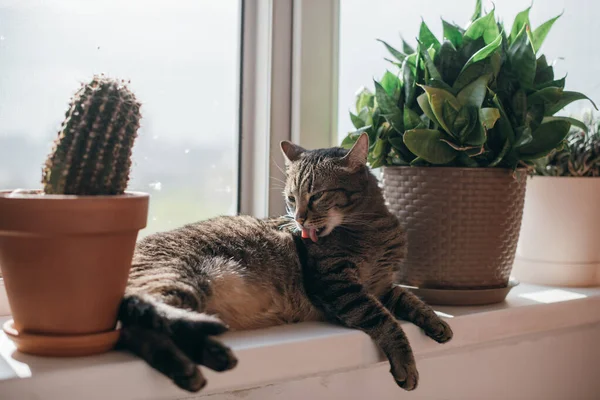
x=560 y=236
x=462 y=224
x=65 y=259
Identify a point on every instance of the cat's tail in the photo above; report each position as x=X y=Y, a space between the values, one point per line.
x=172 y=340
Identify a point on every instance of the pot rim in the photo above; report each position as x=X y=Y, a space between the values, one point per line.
x=40 y=196
x=482 y=169
x=563 y=178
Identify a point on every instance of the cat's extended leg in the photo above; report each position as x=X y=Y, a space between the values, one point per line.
x=405 y=305
x=171 y=339
x=338 y=293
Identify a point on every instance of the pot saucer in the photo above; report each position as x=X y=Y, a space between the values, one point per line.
x=61 y=346
x=457 y=297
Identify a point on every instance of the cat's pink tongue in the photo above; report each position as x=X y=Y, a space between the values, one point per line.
x=310 y=233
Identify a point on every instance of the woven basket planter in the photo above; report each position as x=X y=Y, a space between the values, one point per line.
x=462 y=224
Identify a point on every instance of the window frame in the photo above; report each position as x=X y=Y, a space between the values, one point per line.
x=284 y=93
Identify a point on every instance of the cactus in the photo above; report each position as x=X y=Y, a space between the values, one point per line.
x=92 y=154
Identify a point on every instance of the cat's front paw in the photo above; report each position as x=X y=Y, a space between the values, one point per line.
x=440 y=331
x=406 y=375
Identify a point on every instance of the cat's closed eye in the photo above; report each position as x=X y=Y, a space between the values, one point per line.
x=291 y=199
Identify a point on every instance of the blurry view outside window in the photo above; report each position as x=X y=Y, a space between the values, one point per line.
x=182 y=59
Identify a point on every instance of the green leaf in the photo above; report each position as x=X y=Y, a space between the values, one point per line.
x=356 y=121
x=365 y=116
x=458 y=147
x=470 y=74
x=522 y=58
x=426 y=108
x=463 y=159
x=429 y=65
x=524 y=138
x=449 y=62
x=427 y=144
x=474 y=93
x=449 y=115
x=463 y=123
x=396 y=120
x=575 y=122
x=400 y=148
x=390 y=83
x=540 y=33
x=409 y=84
x=521 y=20
x=477 y=136
x=501 y=154
x=418 y=162
x=411 y=119
x=352 y=137
x=504 y=124
x=427 y=38
x=436 y=98
x=485 y=27
x=398 y=55
x=546 y=96
x=559 y=83
x=452 y=33
x=488 y=117
x=365 y=98
x=485 y=52
x=565 y=99
x=407 y=48
x=385 y=102
x=379 y=148
x=545 y=139
x=477 y=13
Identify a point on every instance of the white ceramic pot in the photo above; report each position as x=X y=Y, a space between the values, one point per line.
x=559 y=244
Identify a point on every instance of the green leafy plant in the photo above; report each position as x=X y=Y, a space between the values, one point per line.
x=580 y=154
x=92 y=154
x=482 y=97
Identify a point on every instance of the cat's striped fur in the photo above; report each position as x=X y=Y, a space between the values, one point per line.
x=254 y=273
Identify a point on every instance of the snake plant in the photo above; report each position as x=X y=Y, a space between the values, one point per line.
x=482 y=97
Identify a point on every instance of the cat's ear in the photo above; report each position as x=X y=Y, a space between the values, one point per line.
x=291 y=152
x=357 y=156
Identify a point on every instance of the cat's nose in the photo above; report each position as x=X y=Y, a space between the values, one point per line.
x=300 y=218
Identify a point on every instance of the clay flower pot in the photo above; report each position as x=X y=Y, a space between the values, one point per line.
x=65 y=262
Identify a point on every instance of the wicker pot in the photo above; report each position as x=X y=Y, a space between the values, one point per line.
x=462 y=224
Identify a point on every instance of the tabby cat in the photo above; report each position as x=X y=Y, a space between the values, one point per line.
x=334 y=259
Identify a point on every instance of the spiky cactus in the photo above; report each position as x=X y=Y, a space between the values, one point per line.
x=92 y=154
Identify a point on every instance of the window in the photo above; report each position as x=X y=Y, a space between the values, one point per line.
x=183 y=60
x=361 y=57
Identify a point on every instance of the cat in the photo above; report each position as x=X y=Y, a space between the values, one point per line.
x=333 y=259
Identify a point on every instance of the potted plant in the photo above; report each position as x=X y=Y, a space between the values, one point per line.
x=455 y=131
x=65 y=252
x=561 y=221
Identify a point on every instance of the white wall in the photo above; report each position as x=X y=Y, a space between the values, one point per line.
x=574 y=37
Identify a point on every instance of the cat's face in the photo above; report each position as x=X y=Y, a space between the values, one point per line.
x=323 y=186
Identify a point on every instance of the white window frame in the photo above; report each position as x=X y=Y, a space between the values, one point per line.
x=288 y=91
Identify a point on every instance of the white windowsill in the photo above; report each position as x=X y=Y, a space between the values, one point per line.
x=295 y=351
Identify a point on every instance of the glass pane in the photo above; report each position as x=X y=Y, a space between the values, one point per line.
x=183 y=62
x=362 y=57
